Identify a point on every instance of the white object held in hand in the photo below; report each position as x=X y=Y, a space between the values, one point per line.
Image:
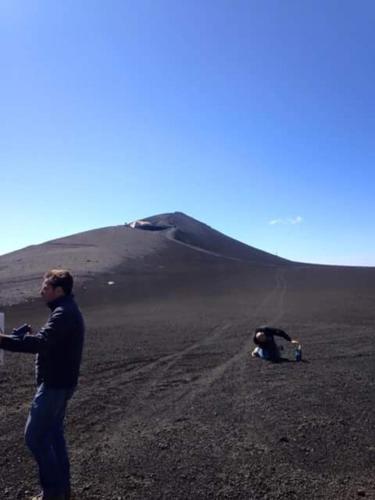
x=2 y=330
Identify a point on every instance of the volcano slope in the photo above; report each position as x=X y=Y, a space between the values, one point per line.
x=170 y=404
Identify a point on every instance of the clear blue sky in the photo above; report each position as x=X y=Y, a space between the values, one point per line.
x=256 y=117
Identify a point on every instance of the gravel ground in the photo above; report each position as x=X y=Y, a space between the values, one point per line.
x=170 y=403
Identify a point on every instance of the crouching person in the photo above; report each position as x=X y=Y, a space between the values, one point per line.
x=58 y=348
x=266 y=345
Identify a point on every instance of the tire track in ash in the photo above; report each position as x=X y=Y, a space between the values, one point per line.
x=171 y=235
x=155 y=393
x=274 y=300
x=199 y=386
x=157 y=381
x=276 y=296
x=150 y=402
x=148 y=364
x=281 y=286
x=144 y=380
x=129 y=373
x=143 y=400
x=148 y=375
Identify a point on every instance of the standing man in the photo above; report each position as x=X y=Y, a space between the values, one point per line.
x=58 y=346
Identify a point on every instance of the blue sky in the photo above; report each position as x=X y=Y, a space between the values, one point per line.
x=255 y=117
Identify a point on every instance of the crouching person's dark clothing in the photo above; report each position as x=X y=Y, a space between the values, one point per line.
x=58 y=346
x=269 y=349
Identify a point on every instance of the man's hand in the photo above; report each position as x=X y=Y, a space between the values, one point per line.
x=21 y=331
x=295 y=341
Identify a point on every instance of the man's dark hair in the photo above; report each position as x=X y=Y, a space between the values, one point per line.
x=60 y=277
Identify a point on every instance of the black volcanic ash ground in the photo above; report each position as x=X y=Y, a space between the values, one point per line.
x=172 y=406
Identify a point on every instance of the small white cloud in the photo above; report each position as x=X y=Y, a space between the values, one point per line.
x=294 y=220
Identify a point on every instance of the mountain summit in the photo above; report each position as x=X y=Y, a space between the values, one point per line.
x=175 y=239
x=200 y=236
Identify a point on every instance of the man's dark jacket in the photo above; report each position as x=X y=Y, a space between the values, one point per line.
x=58 y=345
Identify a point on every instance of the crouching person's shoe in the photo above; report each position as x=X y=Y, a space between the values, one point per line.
x=37 y=497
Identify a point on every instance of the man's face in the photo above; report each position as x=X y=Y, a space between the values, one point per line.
x=49 y=293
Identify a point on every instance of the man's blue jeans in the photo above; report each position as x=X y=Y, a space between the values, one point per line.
x=44 y=436
x=273 y=355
